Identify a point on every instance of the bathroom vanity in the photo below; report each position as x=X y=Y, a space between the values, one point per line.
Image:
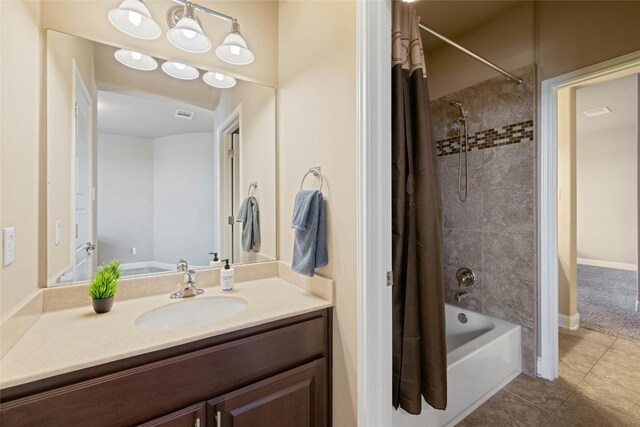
x=269 y=365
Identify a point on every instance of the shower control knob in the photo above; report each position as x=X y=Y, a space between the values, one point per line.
x=466 y=277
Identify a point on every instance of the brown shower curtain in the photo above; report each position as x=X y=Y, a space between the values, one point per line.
x=419 y=346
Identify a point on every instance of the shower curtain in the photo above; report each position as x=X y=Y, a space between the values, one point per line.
x=419 y=346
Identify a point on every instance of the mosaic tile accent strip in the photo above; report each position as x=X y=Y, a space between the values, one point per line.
x=490 y=138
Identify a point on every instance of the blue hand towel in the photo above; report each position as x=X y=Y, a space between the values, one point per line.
x=310 y=242
x=248 y=215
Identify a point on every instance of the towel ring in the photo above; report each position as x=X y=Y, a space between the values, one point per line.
x=316 y=172
x=253 y=185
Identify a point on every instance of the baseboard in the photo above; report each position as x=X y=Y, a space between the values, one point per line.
x=569 y=322
x=608 y=264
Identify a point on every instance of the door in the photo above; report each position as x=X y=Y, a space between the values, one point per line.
x=83 y=236
x=296 y=398
x=193 y=416
x=229 y=186
x=236 y=200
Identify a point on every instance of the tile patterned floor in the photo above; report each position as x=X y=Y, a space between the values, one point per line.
x=599 y=385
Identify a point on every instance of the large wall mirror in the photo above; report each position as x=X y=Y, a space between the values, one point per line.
x=149 y=169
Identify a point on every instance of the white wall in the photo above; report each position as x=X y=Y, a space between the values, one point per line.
x=184 y=198
x=607 y=217
x=125 y=198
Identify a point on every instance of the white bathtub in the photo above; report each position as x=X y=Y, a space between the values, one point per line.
x=483 y=355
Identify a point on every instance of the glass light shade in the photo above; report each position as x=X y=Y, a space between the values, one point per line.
x=180 y=71
x=135 y=60
x=188 y=36
x=234 y=50
x=133 y=18
x=218 y=80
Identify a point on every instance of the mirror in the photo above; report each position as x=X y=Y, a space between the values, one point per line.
x=150 y=169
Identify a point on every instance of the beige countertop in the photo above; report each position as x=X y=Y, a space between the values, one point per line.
x=66 y=340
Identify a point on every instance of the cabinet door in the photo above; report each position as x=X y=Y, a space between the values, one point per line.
x=296 y=398
x=193 y=416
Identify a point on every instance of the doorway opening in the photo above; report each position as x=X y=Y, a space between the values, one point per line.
x=582 y=206
x=606 y=176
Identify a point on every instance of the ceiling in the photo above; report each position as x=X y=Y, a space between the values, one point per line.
x=148 y=116
x=455 y=18
x=619 y=95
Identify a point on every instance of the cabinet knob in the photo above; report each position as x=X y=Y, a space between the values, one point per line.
x=218 y=419
x=197 y=423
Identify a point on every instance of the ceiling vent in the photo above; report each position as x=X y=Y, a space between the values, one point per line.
x=184 y=114
x=597 y=112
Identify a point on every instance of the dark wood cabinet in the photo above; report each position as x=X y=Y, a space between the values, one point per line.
x=192 y=416
x=275 y=374
x=296 y=398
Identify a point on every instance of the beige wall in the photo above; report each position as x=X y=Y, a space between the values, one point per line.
x=607 y=196
x=506 y=39
x=572 y=35
x=63 y=51
x=20 y=108
x=567 y=268
x=258 y=151
x=317 y=126
x=258 y=24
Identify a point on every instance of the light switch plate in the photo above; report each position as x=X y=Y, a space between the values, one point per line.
x=9 y=245
x=58 y=231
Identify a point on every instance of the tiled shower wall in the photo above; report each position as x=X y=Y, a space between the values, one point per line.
x=493 y=232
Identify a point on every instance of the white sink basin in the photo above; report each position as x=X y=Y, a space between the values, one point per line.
x=190 y=313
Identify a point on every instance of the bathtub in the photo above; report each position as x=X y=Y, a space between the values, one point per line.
x=483 y=355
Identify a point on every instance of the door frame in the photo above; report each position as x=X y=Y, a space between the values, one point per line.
x=373 y=109
x=224 y=134
x=547 y=197
x=78 y=81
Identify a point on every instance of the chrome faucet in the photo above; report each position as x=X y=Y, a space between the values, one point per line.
x=188 y=287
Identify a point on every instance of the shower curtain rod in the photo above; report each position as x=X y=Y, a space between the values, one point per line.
x=471 y=54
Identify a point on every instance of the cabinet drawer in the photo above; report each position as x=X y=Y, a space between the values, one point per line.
x=141 y=393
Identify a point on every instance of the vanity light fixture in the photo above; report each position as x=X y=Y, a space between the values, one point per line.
x=187 y=33
x=134 y=19
x=135 y=60
x=218 y=80
x=234 y=49
x=180 y=71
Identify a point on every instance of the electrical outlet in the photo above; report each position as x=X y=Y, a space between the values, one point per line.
x=58 y=232
x=9 y=245
x=134 y=251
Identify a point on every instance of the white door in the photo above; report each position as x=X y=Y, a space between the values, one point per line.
x=84 y=246
x=236 y=200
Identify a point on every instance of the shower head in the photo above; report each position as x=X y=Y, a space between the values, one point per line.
x=463 y=111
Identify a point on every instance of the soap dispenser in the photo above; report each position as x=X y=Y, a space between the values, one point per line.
x=215 y=262
x=226 y=277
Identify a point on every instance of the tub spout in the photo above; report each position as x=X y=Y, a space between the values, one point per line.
x=460 y=296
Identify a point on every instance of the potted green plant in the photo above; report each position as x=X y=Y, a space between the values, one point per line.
x=104 y=285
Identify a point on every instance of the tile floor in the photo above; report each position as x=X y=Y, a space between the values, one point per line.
x=599 y=385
